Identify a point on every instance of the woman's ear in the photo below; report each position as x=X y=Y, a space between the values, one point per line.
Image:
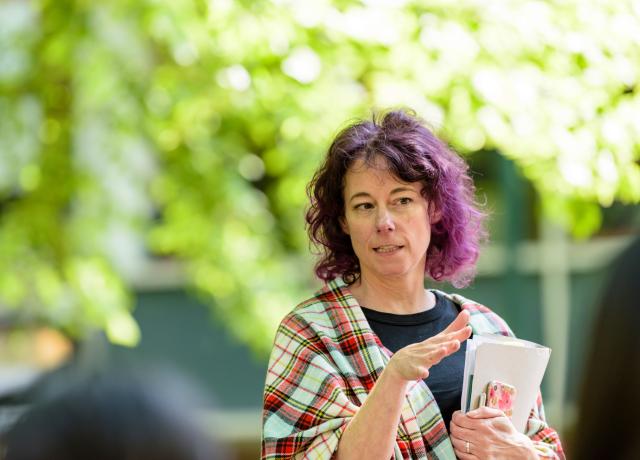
x=435 y=214
x=343 y=225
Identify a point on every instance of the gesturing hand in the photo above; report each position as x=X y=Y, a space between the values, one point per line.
x=413 y=361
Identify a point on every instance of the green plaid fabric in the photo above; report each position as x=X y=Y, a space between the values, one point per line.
x=324 y=363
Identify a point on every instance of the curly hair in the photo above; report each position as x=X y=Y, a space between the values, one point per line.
x=412 y=153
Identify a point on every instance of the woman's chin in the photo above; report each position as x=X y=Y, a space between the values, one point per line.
x=395 y=272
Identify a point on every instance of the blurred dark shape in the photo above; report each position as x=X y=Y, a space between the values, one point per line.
x=608 y=425
x=114 y=414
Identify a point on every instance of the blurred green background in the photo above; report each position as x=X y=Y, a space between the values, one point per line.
x=156 y=154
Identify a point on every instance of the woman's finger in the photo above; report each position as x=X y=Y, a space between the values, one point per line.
x=463 y=448
x=463 y=334
x=485 y=412
x=448 y=347
x=461 y=432
x=443 y=351
x=423 y=372
x=460 y=455
x=461 y=321
x=460 y=335
x=463 y=421
x=433 y=357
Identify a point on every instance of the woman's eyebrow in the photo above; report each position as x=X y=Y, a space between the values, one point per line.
x=359 y=195
x=395 y=190
x=402 y=189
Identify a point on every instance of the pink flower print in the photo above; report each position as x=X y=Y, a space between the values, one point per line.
x=493 y=396
x=506 y=401
x=501 y=396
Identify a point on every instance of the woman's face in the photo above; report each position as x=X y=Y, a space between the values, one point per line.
x=388 y=221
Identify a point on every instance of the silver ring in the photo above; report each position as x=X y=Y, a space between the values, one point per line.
x=466 y=447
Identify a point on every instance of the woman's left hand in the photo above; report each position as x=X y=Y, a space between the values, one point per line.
x=487 y=434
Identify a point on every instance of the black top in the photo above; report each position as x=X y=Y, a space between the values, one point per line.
x=398 y=331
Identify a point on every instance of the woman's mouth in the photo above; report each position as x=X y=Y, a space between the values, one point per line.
x=387 y=248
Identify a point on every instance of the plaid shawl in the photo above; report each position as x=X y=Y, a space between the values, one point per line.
x=324 y=363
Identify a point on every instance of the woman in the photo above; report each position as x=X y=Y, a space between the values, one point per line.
x=371 y=366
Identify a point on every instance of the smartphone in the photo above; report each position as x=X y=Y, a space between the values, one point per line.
x=500 y=395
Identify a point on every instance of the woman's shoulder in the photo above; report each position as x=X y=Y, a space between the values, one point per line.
x=322 y=308
x=482 y=318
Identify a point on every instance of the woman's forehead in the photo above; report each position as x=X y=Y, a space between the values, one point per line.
x=362 y=174
x=377 y=162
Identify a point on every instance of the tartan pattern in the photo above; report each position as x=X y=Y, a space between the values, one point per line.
x=325 y=361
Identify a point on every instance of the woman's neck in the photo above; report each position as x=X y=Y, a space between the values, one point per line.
x=402 y=295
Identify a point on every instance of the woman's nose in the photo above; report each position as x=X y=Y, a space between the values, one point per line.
x=384 y=222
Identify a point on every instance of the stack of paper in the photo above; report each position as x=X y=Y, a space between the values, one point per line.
x=508 y=360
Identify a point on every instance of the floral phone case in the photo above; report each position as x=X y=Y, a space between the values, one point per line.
x=501 y=396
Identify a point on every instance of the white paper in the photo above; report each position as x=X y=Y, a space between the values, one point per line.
x=509 y=360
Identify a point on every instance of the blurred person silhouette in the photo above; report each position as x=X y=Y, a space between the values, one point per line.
x=107 y=415
x=608 y=425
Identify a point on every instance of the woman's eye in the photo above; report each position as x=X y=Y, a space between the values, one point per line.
x=404 y=200
x=363 y=206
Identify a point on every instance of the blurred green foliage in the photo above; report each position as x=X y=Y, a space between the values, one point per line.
x=189 y=129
